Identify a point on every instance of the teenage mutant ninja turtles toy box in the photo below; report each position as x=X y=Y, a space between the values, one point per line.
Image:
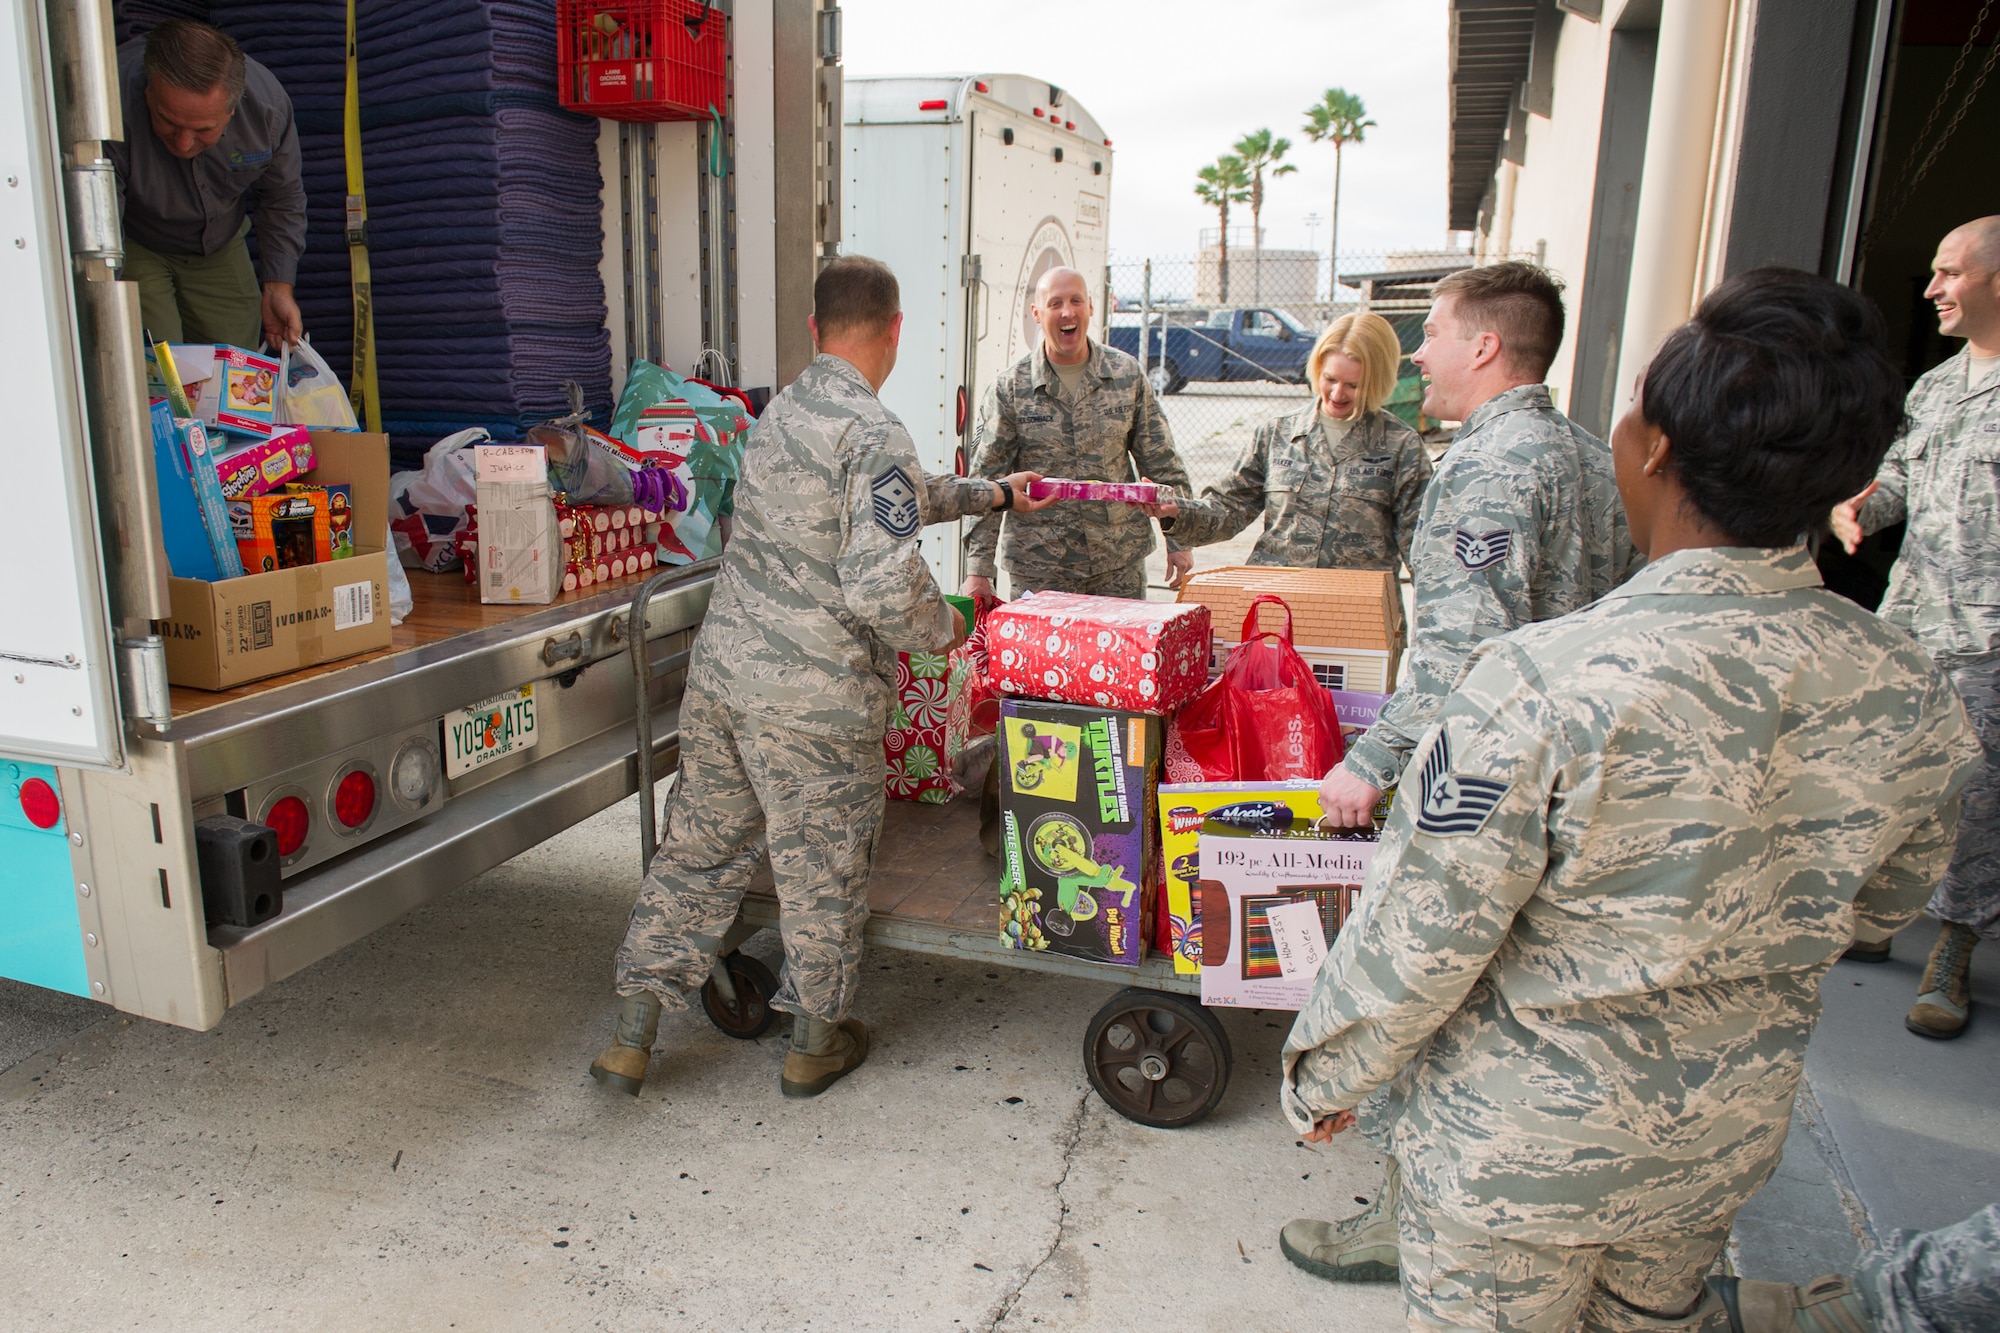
x=1078 y=860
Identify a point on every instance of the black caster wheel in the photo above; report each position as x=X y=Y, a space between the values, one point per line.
x=1157 y=1058
x=752 y=1015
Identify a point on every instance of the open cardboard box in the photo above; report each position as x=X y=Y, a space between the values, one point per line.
x=223 y=634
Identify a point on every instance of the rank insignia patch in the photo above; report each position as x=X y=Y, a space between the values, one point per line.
x=896 y=511
x=1455 y=805
x=1481 y=550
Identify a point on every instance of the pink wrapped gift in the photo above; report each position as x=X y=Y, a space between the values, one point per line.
x=1117 y=492
x=1143 y=657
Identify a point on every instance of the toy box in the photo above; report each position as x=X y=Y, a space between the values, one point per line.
x=249 y=383
x=1188 y=810
x=1115 y=492
x=189 y=555
x=282 y=531
x=1078 y=860
x=1148 y=657
x=339 y=513
x=249 y=466
x=1257 y=891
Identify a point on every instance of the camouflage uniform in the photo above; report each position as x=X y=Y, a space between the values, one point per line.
x=788 y=694
x=1113 y=430
x=1944 y=1281
x=1592 y=939
x=1340 y=495
x=1943 y=477
x=1522 y=522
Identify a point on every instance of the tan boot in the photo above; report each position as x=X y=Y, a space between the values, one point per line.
x=1361 y=1248
x=822 y=1054
x=1824 y=1305
x=623 y=1064
x=1944 y=996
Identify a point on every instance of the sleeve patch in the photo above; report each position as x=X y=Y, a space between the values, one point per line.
x=1481 y=550
x=896 y=509
x=1454 y=805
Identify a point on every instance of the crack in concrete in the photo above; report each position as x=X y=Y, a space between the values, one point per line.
x=1073 y=1132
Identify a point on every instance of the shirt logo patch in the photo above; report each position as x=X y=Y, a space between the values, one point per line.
x=243 y=159
x=896 y=511
x=1455 y=805
x=1481 y=550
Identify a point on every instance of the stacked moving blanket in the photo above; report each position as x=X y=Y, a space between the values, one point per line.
x=483 y=231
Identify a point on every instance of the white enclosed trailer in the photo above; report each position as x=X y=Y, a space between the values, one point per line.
x=970 y=186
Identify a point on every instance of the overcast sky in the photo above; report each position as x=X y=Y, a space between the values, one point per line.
x=1175 y=82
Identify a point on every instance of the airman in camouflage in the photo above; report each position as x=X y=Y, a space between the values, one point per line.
x=1337 y=483
x=1604 y=1016
x=1579 y=983
x=1108 y=426
x=788 y=697
x=1943 y=479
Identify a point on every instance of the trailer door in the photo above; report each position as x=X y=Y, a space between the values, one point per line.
x=58 y=693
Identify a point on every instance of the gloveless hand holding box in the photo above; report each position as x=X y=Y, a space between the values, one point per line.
x=226 y=633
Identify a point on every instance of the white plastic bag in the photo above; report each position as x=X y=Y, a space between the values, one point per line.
x=309 y=393
x=401 y=600
x=427 y=507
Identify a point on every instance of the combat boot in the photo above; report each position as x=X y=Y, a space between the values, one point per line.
x=822 y=1054
x=1944 y=996
x=1824 y=1305
x=1361 y=1248
x=623 y=1064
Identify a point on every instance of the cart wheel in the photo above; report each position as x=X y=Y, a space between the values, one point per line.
x=1157 y=1058
x=752 y=1015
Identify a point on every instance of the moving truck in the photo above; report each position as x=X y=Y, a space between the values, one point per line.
x=105 y=768
x=971 y=186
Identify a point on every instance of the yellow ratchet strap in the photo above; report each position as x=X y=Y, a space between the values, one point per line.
x=365 y=392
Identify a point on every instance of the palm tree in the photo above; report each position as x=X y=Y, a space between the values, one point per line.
x=1337 y=118
x=1224 y=183
x=1259 y=151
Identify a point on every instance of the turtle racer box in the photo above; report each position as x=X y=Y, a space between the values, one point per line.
x=1078 y=830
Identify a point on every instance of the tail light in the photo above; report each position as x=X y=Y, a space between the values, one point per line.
x=352 y=797
x=288 y=816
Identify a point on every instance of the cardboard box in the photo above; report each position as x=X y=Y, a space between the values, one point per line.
x=1347 y=623
x=223 y=634
x=1248 y=883
x=522 y=557
x=1078 y=858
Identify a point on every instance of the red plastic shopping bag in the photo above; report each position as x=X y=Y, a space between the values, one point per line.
x=1264 y=719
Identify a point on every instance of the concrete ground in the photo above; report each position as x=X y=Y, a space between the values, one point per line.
x=404 y=1137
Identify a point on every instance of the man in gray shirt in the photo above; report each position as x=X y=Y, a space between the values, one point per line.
x=209 y=147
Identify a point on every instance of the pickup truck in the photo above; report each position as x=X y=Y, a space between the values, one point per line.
x=1247 y=344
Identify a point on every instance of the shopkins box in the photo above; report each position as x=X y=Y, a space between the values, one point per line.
x=258 y=466
x=249 y=383
x=1271 y=905
x=1190 y=809
x=1078 y=858
x=282 y=531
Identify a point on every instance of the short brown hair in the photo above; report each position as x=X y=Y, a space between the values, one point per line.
x=196 y=57
x=855 y=294
x=1369 y=339
x=1520 y=302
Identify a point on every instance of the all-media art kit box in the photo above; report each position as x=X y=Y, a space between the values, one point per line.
x=223 y=634
x=1271 y=905
x=1191 y=813
x=1077 y=853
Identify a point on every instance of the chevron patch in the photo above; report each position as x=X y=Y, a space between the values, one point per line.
x=1454 y=805
x=1481 y=550
x=895 y=496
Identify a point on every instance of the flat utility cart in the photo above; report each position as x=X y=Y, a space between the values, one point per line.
x=1152 y=1051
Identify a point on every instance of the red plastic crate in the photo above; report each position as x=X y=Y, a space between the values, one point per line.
x=638 y=60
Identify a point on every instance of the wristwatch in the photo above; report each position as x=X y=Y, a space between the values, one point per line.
x=1006 y=495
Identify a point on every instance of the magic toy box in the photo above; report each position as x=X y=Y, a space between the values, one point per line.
x=1078 y=859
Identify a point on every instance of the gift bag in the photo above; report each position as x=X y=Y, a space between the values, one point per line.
x=309 y=393
x=427 y=507
x=1264 y=719
x=943 y=700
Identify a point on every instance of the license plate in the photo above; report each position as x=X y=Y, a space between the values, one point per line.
x=483 y=733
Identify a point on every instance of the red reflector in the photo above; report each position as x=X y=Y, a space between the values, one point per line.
x=1069 y=124
x=931 y=104
x=39 y=803
x=979 y=87
x=354 y=799
x=1038 y=111
x=1107 y=143
x=290 y=820
x=960 y=428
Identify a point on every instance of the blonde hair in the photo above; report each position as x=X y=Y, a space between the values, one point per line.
x=1369 y=339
